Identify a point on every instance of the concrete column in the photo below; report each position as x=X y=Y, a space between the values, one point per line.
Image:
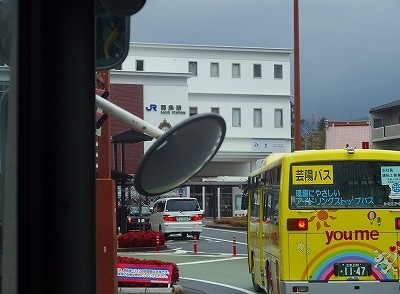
x=203 y=197
x=219 y=202
x=188 y=191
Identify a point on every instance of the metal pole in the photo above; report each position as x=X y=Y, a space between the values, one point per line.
x=134 y=121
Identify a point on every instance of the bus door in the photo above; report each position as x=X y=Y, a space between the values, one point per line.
x=255 y=230
x=271 y=236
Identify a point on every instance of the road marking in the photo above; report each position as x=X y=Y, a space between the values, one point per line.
x=212 y=260
x=180 y=251
x=174 y=242
x=225 y=230
x=209 y=239
x=219 y=284
x=223 y=240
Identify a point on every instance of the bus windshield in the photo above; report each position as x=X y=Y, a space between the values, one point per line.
x=344 y=184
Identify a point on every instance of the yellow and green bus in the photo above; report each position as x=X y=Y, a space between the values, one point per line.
x=325 y=221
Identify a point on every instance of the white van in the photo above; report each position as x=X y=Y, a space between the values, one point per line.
x=178 y=215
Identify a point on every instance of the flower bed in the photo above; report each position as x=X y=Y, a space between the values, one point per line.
x=140 y=239
x=132 y=260
x=237 y=221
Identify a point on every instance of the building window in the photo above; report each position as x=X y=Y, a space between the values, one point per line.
x=193 y=111
x=257 y=70
x=139 y=65
x=278 y=74
x=278 y=118
x=193 y=67
x=215 y=110
x=214 y=70
x=378 y=123
x=236 y=70
x=257 y=117
x=236 y=117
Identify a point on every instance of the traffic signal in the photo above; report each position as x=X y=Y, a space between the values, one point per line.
x=112 y=31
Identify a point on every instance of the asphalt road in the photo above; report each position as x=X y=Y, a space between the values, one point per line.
x=214 y=268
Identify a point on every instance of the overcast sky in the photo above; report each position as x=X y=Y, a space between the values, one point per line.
x=349 y=49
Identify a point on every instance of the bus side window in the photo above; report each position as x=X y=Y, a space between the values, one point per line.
x=267 y=206
x=255 y=203
x=275 y=204
x=271 y=207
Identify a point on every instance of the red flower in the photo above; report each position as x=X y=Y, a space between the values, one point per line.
x=140 y=239
x=132 y=260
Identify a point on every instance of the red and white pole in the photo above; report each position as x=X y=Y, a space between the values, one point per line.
x=194 y=244
x=234 y=246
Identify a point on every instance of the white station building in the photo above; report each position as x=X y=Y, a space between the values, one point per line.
x=248 y=87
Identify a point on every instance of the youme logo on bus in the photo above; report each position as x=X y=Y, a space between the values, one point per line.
x=351 y=235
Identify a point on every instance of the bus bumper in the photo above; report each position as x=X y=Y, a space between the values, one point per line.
x=334 y=287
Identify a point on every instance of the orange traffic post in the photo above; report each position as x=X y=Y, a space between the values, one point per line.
x=234 y=246
x=194 y=244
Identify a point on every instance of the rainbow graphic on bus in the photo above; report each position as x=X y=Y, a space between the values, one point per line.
x=384 y=264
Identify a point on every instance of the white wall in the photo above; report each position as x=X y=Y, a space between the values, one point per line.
x=247 y=103
x=175 y=58
x=172 y=84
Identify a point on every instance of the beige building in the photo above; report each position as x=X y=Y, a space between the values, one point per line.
x=382 y=131
x=342 y=134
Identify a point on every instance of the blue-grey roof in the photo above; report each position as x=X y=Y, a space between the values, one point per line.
x=395 y=103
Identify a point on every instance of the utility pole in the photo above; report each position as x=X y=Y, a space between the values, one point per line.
x=106 y=243
x=297 y=115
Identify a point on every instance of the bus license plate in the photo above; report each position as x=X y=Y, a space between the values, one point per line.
x=352 y=269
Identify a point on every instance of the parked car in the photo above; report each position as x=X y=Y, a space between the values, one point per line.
x=178 y=215
x=138 y=219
